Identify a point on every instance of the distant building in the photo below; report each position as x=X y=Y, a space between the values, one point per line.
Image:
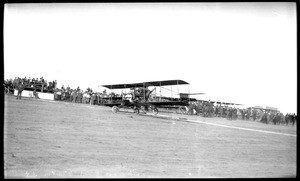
x=258 y=107
x=271 y=108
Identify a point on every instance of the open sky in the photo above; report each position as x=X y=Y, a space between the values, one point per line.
x=235 y=52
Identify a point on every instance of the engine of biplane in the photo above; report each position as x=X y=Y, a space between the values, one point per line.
x=140 y=94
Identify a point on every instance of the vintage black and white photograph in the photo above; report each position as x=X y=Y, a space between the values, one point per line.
x=150 y=90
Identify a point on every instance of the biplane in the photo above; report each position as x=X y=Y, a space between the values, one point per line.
x=141 y=98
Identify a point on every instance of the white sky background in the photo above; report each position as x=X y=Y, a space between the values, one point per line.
x=236 y=52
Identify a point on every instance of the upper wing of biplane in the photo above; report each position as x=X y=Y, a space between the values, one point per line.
x=145 y=84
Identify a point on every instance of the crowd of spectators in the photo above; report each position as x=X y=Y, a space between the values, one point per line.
x=78 y=95
x=267 y=116
x=37 y=84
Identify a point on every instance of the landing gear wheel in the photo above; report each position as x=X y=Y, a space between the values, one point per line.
x=183 y=110
x=115 y=109
x=136 y=110
x=155 y=111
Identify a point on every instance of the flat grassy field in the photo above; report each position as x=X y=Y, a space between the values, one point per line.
x=51 y=139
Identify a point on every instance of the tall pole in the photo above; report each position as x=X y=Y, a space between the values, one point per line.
x=155 y=93
x=144 y=91
x=177 y=88
x=171 y=93
x=160 y=91
x=98 y=94
x=189 y=93
x=110 y=94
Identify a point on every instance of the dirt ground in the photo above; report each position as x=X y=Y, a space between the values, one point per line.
x=50 y=139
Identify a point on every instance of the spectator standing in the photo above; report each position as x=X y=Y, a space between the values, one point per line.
x=79 y=96
x=54 y=84
x=248 y=114
x=264 y=118
x=74 y=96
x=92 y=99
x=254 y=114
